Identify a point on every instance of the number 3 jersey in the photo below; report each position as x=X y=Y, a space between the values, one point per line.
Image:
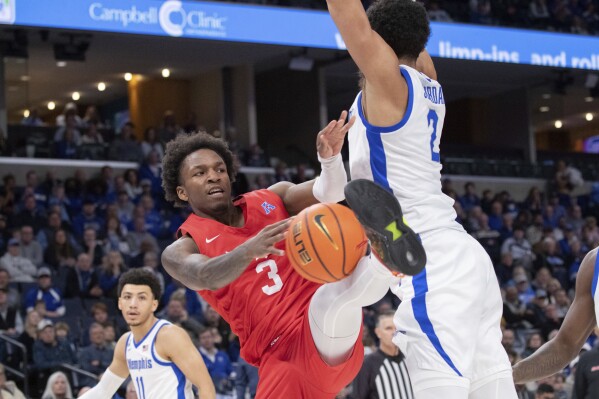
x=269 y=298
x=404 y=158
x=152 y=376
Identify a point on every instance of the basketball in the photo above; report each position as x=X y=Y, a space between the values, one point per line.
x=325 y=242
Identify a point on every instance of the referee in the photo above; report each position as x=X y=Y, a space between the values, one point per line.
x=384 y=374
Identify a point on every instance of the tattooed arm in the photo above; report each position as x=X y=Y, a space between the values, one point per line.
x=578 y=324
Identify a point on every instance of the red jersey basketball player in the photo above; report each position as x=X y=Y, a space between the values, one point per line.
x=303 y=336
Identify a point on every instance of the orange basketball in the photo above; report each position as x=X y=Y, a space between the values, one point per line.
x=325 y=242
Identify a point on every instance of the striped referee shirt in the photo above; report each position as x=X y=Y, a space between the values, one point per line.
x=383 y=377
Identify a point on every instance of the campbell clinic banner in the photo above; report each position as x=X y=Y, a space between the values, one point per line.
x=292 y=27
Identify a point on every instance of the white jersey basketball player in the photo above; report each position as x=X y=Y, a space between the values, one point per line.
x=448 y=324
x=160 y=357
x=578 y=324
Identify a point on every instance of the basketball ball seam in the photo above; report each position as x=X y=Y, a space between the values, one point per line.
x=309 y=231
x=343 y=249
x=298 y=262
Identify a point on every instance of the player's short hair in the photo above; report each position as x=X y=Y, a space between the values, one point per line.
x=176 y=152
x=403 y=24
x=384 y=315
x=140 y=277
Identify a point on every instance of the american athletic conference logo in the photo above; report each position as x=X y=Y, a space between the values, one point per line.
x=7 y=11
x=175 y=20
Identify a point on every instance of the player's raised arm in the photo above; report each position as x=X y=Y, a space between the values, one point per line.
x=114 y=375
x=186 y=357
x=576 y=328
x=183 y=261
x=375 y=58
x=328 y=187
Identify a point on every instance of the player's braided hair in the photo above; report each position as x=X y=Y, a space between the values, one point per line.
x=176 y=152
x=403 y=24
x=140 y=277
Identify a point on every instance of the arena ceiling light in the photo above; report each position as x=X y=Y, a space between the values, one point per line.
x=558 y=124
x=101 y=86
x=166 y=73
x=76 y=96
x=589 y=117
x=51 y=105
x=544 y=109
x=26 y=113
x=128 y=76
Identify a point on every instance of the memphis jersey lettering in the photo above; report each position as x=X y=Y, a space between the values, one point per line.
x=152 y=376
x=405 y=158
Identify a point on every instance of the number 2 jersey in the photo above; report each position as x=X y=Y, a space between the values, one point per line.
x=269 y=298
x=405 y=157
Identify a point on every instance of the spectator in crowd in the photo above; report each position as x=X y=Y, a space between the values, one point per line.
x=11 y=322
x=48 y=352
x=176 y=313
x=31 y=214
x=246 y=379
x=33 y=119
x=112 y=268
x=192 y=304
x=21 y=269
x=514 y=309
x=70 y=108
x=58 y=387
x=255 y=157
x=96 y=357
x=125 y=207
x=151 y=215
x=132 y=184
x=116 y=237
x=8 y=389
x=488 y=238
x=151 y=143
x=519 y=247
x=436 y=13
x=92 y=117
x=545 y=391
x=470 y=199
x=29 y=334
x=82 y=281
x=383 y=371
x=92 y=246
x=68 y=146
x=88 y=219
x=60 y=251
x=217 y=361
x=151 y=263
x=30 y=248
x=109 y=336
x=139 y=235
x=47 y=294
x=126 y=147
x=151 y=170
x=533 y=343
x=52 y=224
x=92 y=135
x=169 y=128
x=14 y=298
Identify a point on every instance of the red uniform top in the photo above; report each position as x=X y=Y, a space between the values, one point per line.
x=269 y=298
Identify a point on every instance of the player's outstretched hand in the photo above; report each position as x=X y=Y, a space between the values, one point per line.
x=330 y=139
x=263 y=243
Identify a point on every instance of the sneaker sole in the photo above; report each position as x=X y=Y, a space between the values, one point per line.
x=380 y=213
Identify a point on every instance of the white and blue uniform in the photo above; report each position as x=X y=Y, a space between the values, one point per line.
x=154 y=377
x=594 y=291
x=448 y=323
